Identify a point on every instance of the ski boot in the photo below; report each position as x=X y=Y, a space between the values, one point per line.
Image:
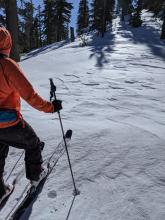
x=42 y=175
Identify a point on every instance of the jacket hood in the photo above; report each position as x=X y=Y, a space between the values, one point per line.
x=5 y=41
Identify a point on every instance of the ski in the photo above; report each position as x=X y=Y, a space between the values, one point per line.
x=15 y=180
x=31 y=192
x=7 y=196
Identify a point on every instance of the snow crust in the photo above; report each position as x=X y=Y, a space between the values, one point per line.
x=113 y=94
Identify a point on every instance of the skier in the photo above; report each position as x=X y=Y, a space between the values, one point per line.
x=14 y=130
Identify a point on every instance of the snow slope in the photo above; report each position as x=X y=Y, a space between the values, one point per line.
x=113 y=94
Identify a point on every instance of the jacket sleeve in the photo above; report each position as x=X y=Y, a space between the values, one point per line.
x=19 y=83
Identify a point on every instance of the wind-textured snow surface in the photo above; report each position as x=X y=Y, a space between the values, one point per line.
x=113 y=94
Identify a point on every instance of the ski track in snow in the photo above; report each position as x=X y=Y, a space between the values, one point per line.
x=113 y=96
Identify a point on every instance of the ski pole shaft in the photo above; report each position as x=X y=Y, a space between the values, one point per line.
x=14 y=166
x=53 y=95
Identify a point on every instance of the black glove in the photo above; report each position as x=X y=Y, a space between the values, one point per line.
x=57 y=105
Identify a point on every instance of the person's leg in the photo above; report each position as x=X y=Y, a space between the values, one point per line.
x=25 y=138
x=33 y=158
x=4 y=149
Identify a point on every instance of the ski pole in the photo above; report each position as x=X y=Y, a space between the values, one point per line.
x=7 y=178
x=53 y=95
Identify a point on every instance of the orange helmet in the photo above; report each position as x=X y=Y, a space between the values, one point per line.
x=5 y=41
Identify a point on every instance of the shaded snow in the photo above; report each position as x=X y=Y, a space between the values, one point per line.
x=113 y=96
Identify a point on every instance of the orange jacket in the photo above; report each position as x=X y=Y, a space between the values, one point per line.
x=13 y=85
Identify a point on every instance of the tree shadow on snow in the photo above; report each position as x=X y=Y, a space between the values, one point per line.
x=44 y=50
x=101 y=48
x=147 y=35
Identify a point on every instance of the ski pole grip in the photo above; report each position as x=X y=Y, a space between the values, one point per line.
x=52 y=86
x=52 y=89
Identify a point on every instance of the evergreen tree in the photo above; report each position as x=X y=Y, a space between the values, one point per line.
x=163 y=25
x=95 y=15
x=57 y=15
x=72 y=36
x=49 y=21
x=126 y=8
x=136 y=20
x=158 y=8
x=36 y=32
x=37 y=41
x=12 y=26
x=2 y=12
x=40 y=22
x=83 y=17
x=102 y=12
x=154 y=6
x=109 y=7
x=27 y=22
x=37 y=29
x=63 y=15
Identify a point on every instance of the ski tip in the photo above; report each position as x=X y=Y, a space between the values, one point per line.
x=68 y=134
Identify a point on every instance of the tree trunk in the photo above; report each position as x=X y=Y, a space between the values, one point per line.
x=163 y=30
x=40 y=26
x=104 y=19
x=163 y=27
x=72 y=36
x=12 y=26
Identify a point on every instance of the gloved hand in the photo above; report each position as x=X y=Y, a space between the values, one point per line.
x=57 y=105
